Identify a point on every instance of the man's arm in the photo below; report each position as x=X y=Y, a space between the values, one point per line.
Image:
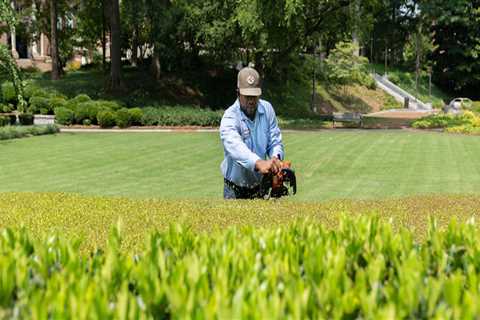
x=234 y=145
x=275 y=146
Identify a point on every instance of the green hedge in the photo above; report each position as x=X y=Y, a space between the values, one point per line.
x=180 y=116
x=364 y=269
x=13 y=132
x=64 y=116
x=106 y=119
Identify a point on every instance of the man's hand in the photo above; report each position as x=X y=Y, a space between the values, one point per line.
x=266 y=166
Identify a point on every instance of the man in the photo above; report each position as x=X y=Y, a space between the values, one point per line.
x=251 y=139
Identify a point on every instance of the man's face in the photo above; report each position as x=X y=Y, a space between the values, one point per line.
x=249 y=104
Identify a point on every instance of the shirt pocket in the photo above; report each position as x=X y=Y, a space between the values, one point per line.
x=244 y=131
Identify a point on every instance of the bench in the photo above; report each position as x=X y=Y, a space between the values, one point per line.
x=347 y=117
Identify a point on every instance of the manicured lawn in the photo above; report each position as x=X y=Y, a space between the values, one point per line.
x=330 y=164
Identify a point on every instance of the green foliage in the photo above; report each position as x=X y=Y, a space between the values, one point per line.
x=122 y=118
x=39 y=105
x=345 y=67
x=6 y=108
x=81 y=98
x=390 y=103
x=106 y=119
x=88 y=110
x=64 y=116
x=303 y=270
x=455 y=27
x=467 y=122
x=136 y=115
x=180 y=116
x=16 y=132
x=56 y=102
x=4 y=121
x=8 y=92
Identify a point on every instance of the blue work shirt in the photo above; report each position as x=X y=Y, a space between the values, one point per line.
x=246 y=141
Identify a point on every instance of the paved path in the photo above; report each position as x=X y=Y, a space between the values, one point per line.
x=399 y=94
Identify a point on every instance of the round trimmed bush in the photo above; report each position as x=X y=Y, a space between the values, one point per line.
x=87 y=110
x=81 y=98
x=56 y=102
x=87 y=122
x=39 y=105
x=123 y=118
x=64 y=116
x=106 y=119
x=136 y=115
x=110 y=105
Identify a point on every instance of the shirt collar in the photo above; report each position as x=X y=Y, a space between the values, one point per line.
x=260 y=109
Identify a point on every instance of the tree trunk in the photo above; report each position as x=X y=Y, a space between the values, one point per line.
x=54 y=41
x=115 y=54
x=355 y=33
x=104 y=39
x=135 y=47
x=156 y=66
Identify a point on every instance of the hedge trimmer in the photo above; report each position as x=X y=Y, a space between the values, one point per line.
x=284 y=183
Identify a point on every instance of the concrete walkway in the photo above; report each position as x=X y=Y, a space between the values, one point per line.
x=399 y=94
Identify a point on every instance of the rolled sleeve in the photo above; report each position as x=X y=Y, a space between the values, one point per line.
x=275 y=147
x=234 y=145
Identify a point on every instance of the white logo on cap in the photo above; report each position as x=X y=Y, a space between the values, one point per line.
x=251 y=80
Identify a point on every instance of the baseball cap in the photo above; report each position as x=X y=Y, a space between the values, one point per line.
x=249 y=82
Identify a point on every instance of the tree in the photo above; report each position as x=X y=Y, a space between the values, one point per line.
x=115 y=83
x=456 y=33
x=345 y=66
x=56 y=66
x=7 y=62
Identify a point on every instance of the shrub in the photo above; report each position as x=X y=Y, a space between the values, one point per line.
x=4 y=121
x=389 y=102
x=181 y=116
x=8 y=92
x=6 y=108
x=73 y=65
x=64 y=116
x=393 y=77
x=467 y=119
x=20 y=132
x=106 y=119
x=39 y=105
x=87 y=122
x=56 y=102
x=87 y=110
x=25 y=119
x=109 y=105
x=149 y=117
x=438 y=104
x=80 y=98
x=31 y=90
x=136 y=115
x=122 y=118
x=476 y=106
